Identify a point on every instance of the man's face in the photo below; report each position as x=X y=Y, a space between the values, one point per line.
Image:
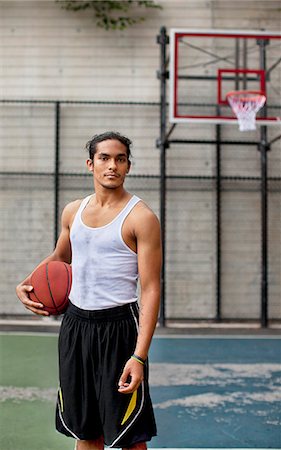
x=110 y=165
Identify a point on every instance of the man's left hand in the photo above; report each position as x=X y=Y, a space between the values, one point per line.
x=131 y=377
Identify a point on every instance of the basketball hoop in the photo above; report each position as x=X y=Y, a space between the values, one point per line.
x=245 y=105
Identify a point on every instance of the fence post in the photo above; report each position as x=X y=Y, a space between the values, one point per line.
x=264 y=147
x=218 y=221
x=162 y=144
x=56 y=172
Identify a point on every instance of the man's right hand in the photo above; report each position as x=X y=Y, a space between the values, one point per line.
x=22 y=291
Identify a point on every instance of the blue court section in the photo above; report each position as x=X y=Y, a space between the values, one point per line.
x=217 y=392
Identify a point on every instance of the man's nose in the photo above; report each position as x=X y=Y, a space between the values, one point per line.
x=112 y=164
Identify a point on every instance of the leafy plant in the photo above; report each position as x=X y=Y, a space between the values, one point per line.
x=111 y=14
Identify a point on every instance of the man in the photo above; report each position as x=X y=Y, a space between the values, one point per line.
x=111 y=238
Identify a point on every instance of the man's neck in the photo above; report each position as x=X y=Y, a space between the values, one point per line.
x=110 y=197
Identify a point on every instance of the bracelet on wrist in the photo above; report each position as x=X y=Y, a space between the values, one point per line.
x=138 y=358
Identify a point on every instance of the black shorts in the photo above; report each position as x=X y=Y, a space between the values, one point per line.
x=93 y=349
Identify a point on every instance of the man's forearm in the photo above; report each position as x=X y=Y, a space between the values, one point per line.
x=149 y=308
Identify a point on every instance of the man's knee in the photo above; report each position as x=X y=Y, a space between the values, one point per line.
x=97 y=444
x=140 y=446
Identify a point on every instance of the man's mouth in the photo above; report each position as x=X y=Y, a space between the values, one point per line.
x=111 y=175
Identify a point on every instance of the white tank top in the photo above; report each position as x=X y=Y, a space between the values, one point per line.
x=104 y=268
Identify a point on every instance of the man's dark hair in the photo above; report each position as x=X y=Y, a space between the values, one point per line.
x=91 y=146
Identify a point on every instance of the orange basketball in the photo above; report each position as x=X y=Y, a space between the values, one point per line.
x=51 y=286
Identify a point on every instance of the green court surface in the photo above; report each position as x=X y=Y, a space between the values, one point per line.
x=208 y=392
x=28 y=382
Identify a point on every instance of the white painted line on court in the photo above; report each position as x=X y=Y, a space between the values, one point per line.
x=217 y=336
x=38 y=323
x=29 y=333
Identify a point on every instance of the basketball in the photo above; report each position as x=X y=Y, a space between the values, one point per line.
x=51 y=286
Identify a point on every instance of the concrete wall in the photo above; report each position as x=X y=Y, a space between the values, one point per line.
x=50 y=53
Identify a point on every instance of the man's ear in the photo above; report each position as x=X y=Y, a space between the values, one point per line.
x=90 y=164
x=129 y=166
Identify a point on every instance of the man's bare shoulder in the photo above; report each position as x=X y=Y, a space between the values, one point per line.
x=143 y=215
x=146 y=226
x=70 y=210
x=73 y=206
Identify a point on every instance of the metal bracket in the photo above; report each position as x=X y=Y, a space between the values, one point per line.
x=263 y=42
x=275 y=139
x=170 y=131
x=159 y=143
x=163 y=75
x=162 y=40
x=264 y=145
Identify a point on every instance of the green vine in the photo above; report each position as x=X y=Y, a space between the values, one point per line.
x=111 y=14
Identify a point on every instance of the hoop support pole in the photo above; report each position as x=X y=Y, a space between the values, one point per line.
x=264 y=147
x=218 y=222
x=162 y=144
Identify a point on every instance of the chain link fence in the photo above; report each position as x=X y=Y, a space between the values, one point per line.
x=43 y=168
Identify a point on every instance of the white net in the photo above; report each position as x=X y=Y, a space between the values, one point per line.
x=245 y=105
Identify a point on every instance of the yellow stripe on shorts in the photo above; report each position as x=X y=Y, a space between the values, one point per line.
x=130 y=408
x=61 y=399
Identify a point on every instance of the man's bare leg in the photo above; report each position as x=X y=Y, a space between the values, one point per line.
x=98 y=444
x=140 y=446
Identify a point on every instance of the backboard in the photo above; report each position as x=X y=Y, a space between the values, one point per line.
x=207 y=64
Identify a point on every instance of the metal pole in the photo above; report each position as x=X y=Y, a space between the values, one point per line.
x=162 y=40
x=245 y=63
x=264 y=147
x=56 y=172
x=237 y=65
x=218 y=221
x=264 y=229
